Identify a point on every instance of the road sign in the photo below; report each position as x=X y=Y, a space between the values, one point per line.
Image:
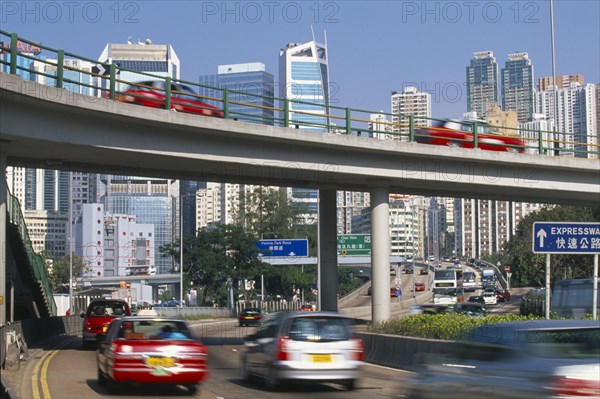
x=100 y=69
x=354 y=244
x=292 y=247
x=566 y=238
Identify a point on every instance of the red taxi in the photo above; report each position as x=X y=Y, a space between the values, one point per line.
x=457 y=133
x=151 y=350
x=152 y=94
x=419 y=286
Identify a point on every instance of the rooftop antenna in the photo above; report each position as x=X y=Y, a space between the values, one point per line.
x=313 y=33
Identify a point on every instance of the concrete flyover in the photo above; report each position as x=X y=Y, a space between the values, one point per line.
x=46 y=127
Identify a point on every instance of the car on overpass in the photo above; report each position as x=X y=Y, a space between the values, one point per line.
x=152 y=93
x=459 y=133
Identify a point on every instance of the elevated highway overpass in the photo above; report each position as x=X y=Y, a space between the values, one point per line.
x=54 y=128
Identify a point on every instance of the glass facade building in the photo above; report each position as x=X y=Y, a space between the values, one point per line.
x=518 y=92
x=482 y=82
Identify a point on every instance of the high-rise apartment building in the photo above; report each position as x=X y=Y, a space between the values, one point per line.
x=350 y=204
x=410 y=102
x=518 y=87
x=482 y=82
x=483 y=226
x=381 y=126
x=575 y=122
x=562 y=81
x=539 y=126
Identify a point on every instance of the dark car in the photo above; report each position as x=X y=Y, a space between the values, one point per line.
x=459 y=133
x=523 y=359
x=408 y=269
x=99 y=314
x=152 y=94
x=151 y=350
x=250 y=317
x=470 y=309
x=476 y=299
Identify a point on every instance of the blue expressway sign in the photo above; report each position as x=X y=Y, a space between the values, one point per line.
x=566 y=238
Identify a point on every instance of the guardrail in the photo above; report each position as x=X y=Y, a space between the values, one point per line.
x=286 y=112
x=35 y=261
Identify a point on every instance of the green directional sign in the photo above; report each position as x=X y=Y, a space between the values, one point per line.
x=354 y=244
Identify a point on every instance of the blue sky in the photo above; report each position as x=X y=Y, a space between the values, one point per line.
x=374 y=46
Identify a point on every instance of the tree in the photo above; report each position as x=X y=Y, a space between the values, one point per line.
x=528 y=268
x=216 y=257
x=58 y=272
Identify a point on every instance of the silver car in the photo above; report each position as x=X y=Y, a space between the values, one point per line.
x=525 y=359
x=303 y=346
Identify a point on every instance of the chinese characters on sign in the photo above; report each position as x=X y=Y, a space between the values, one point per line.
x=565 y=237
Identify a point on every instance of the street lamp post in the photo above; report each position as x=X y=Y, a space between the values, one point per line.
x=181 y=197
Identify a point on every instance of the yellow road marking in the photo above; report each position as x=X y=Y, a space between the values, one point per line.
x=43 y=378
x=44 y=362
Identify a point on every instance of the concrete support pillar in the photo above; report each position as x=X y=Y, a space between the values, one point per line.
x=380 y=255
x=3 y=237
x=327 y=247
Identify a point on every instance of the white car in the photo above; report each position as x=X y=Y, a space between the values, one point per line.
x=489 y=297
x=303 y=346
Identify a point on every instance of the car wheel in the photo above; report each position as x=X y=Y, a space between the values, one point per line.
x=350 y=385
x=192 y=389
x=272 y=381
x=102 y=380
x=244 y=371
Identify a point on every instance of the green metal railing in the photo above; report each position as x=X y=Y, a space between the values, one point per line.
x=35 y=261
x=284 y=111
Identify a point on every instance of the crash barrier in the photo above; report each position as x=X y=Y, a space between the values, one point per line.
x=185 y=311
x=406 y=352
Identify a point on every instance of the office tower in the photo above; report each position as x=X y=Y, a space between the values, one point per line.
x=77 y=76
x=482 y=82
x=404 y=226
x=247 y=83
x=250 y=84
x=23 y=59
x=563 y=81
x=575 y=121
x=517 y=86
x=145 y=57
x=410 y=102
x=47 y=232
x=304 y=76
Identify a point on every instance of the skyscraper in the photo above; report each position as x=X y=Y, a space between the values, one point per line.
x=304 y=76
x=517 y=86
x=409 y=102
x=482 y=82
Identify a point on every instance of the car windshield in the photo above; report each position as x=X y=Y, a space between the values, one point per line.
x=319 y=329
x=153 y=329
x=106 y=308
x=251 y=311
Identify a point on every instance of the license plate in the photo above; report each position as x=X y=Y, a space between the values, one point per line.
x=321 y=358
x=249 y=318
x=155 y=361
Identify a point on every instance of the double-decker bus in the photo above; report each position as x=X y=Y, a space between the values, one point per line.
x=448 y=287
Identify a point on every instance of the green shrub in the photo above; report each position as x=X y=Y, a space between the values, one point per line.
x=449 y=326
